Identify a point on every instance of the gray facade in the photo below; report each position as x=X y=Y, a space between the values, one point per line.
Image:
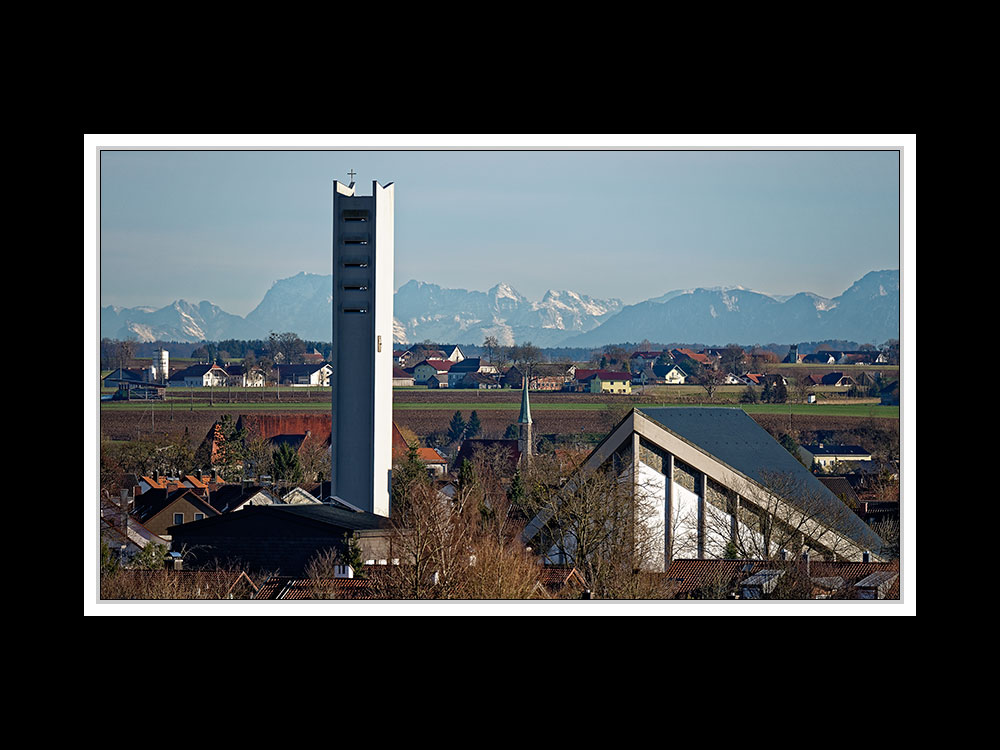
x=361 y=382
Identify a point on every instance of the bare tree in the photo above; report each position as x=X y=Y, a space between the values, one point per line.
x=604 y=521
x=780 y=515
x=711 y=379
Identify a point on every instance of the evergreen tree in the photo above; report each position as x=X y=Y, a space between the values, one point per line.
x=406 y=474
x=513 y=432
x=767 y=396
x=353 y=555
x=473 y=426
x=780 y=395
x=456 y=429
x=285 y=464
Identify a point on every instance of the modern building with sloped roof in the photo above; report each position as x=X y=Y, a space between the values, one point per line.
x=731 y=483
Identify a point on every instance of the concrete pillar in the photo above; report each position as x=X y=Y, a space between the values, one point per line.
x=668 y=509
x=699 y=487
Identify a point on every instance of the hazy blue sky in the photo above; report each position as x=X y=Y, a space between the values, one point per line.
x=224 y=225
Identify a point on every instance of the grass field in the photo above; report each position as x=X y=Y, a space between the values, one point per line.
x=831 y=410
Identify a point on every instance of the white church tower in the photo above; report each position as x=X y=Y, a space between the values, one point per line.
x=361 y=432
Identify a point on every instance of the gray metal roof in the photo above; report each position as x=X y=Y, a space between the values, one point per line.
x=733 y=437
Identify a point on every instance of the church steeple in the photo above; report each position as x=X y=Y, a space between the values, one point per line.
x=524 y=440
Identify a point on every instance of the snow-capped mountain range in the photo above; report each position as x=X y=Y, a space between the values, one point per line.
x=867 y=312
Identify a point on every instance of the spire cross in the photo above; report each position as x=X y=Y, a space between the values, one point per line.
x=351 y=174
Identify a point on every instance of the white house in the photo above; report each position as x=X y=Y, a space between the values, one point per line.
x=315 y=374
x=200 y=376
x=826 y=455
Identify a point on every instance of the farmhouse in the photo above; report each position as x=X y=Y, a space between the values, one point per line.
x=711 y=478
x=199 y=376
x=400 y=377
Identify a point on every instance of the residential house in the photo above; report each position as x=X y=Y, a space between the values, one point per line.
x=229 y=498
x=299 y=496
x=431 y=367
x=124 y=535
x=604 y=381
x=460 y=369
x=200 y=376
x=661 y=375
x=438 y=380
x=825 y=455
x=642 y=360
x=435 y=462
x=545 y=376
x=313 y=358
x=304 y=375
x=703 y=359
x=761 y=379
x=242 y=376
x=162 y=509
x=421 y=352
x=479 y=381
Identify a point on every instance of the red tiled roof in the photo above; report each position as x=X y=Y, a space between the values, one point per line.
x=441 y=365
x=557 y=576
x=687 y=576
x=288 y=588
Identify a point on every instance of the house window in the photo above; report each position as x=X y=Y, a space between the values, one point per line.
x=178 y=519
x=198 y=516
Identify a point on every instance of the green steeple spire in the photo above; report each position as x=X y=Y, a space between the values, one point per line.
x=525 y=417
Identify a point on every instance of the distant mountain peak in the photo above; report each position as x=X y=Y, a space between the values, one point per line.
x=868 y=311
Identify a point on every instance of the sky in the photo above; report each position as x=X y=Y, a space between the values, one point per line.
x=607 y=217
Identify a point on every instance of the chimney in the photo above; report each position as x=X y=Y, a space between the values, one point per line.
x=215 y=476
